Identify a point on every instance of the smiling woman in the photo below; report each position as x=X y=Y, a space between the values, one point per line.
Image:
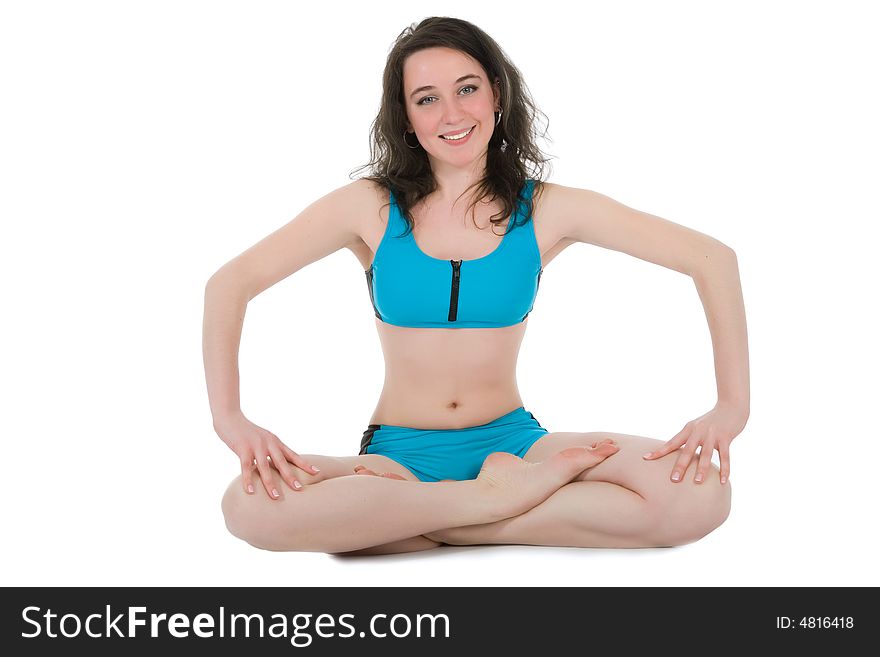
x=451 y=447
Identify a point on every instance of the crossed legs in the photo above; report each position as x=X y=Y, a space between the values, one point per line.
x=619 y=501
x=351 y=512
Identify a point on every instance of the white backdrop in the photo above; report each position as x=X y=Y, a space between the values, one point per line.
x=146 y=144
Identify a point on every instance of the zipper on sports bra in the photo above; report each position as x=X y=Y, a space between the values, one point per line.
x=453 y=300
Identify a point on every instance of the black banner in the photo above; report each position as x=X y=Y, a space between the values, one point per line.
x=400 y=620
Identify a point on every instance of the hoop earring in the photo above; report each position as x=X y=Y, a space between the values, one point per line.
x=405 y=133
x=498 y=120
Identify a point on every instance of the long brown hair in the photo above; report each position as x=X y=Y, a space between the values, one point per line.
x=512 y=157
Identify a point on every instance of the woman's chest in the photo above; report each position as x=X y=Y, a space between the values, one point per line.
x=441 y=235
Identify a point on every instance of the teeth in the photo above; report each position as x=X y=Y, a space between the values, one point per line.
x=460 y=136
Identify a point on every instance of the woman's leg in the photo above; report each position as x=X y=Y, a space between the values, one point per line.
x=352 y=512
x=624 y=502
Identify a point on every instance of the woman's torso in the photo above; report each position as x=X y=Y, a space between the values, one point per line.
x=460 y=377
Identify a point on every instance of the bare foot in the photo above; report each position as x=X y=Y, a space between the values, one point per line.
x=514 y=486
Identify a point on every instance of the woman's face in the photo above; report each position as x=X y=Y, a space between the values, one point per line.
x=452 y=105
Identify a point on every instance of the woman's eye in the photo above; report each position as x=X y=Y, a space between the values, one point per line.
x=422 y=101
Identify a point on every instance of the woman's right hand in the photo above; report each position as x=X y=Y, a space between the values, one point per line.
x=253 y=443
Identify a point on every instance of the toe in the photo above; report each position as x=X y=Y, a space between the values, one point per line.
x=606 y=449
x=589 y=455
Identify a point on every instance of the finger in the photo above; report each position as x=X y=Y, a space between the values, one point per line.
x=705 y=461
x=311 y=476
x=247 y=476
x=283 y=467
x=266 y=477
x=724 y=454
x=392 y=475
x=298 y=460
x=363 y=470
x=684 y=459
x=671 y=445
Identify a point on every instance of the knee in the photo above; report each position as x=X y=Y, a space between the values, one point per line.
x=243 y=518
x=233 y=507
x=687 y=511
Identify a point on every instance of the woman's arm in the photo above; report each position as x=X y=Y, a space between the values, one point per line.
x=594 y=218
x=718 y=284
x=225 y=306
x=226 y=300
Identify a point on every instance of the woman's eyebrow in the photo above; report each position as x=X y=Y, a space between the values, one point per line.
x=461 y=79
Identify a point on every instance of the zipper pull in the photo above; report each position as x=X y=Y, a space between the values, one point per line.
x=453 y=297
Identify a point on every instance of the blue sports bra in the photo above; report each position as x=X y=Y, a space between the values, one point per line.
x=410 y=288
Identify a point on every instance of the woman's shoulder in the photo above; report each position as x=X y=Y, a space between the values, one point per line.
x=376 y=187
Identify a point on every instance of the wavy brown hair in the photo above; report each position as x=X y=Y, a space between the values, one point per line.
x=512 y=157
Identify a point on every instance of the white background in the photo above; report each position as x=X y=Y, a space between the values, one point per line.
x=146 y=144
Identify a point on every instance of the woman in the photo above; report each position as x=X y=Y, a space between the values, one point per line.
x=451 y=455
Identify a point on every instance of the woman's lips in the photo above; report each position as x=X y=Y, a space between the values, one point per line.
x=455 y=142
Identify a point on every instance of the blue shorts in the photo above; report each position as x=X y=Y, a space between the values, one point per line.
x=435 y=454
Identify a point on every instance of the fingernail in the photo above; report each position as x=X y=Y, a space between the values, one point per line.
x=699 y=477
x=723 y=479
x=644 y=456
x=274 y=493
x=250 y=489
x=675 y=476
x=297 y=485
x=316 y=468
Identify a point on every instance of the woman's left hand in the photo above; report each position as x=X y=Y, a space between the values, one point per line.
x=714 y=430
